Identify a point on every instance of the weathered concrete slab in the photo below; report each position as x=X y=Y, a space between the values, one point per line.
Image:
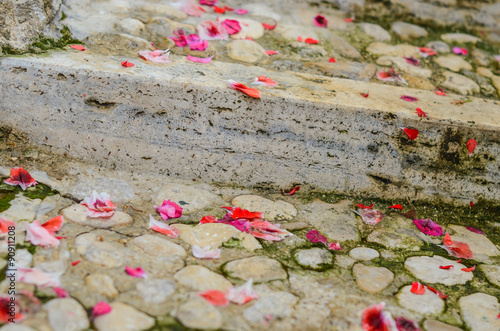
x=181 y=119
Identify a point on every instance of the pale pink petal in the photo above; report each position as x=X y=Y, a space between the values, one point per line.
x=264 y=236
x=99 y=205
x=5 y=224
x=189 y=7
x=242 y=294
x=334 y=247
x=60 y=292
x=212 y=30
x=169 y=209
x=263 y=80
x=163 y=228
x=206 y=252
x=240 y=11
x=200 y=59
x=138 y=272
x=39 y=236
x=156 y=56
x=39 y=277
x=370 y=216
x=101 y=308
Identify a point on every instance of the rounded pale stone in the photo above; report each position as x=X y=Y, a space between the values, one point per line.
x=459 y=84
x=479 y=311
x=123 y=317
x=279 y=305
x=394 y=239
x=363 y=253
x=102 y=284
x=190 y=198
x=439 y=46
x=453 y=62
x=432 y=325
x=99 y=252
x=291 y=32
x=426 y=268
x=249 y=28
x=77 y=214
x=426 y=304
x=401 y=64
x=259 y=268
x=66 y=315
x=379 y=49
x=459 y=38
x=208 y=234
x=156 y=246
x=484 y=72
x=375 y=31
x=407 y=31
x=155 y=290
x=164 y=10
x=245 y=51
x=21 y=208
x=198 y=278
x=131 y=26
x=492 y=272
x=199 y=314
x=372 y=279
x=314 y=258
x=272 y=210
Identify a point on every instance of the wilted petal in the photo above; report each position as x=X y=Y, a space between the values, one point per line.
x=138 y=272
x=169 y=209
x=39 y=277
x=321 y=21
x=199 y=59
x=263 y=80
x=156 y=56
x=404 y=324
x=179 y=40
x=127 y=64
x=265 y=236
x=206 y=252
x=314 y=236
x=398 y=206
x=459 y=250
x=361 y=206
x=428 y=227
x=208 y=2
x=212 y=30
x=441 y=295
x=421 y=113
x=390 y=76
x=19 y=176
x=215 y=297
x=163 y=228
x=370 y=216
x=242 y=294
x=409 y=98
x=375 y=319
x=413 y=61
x=426 y=52
x=470 y=228
x=269 y=228
x=39 y=236
x=99 y=205
x=60 y=292
x=101 y=308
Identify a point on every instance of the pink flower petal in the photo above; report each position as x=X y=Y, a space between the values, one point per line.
x=320 y=21
x=38 y=235
x=199 y=59
x=242 y=294
x=60 y=292
x=417 y=288
x=241 y=224
x=189 y=7
x=254 y=93
x=208 y=219
x=470 y=228
x=156 y=56
x=138 y=272
x=77 y=47
x=163 y=228
x=210 y=30
x=460 y=51
x=409 y=98
x=39 y=277
x=269 y=52
x=205 y=252
x=99 y=205
x=100 y=308
x=374 y=318
x=404 y=324
x=240 y=11
x=390 y=76
x=169 y=209
x=231 y=26
x=265 y=236
x=5 y=224
x=334 y=247
x=413 y=61
x=263 y=80
x=200 y=45
x=427 y=226
x=370 y=216
x=19 y=176
x=215 y=297
x=314 y=236
x=208 y=2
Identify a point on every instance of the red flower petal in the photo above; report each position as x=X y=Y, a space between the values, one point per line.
x=349 y=20
x=471 y=146
x=314 y=236
x=421 y=113
x=447 y=240
x=53 y=225
x=469 y=269
x=321 y=21
x=219 y=10
x=77 y=47
x=215 y=297
x=365 y=95
x=127 y=64
x=243 y=213
x=427 y=51
x=359 y=205
x=19 y=176
x=441 y=295
x=254 y=93
x=311 y=41
x=75 y=262
x=440 y=91
x=299 y=38
x=446 y=267
x=272 y=52
x=292 y=190
x=270 y=27
x=398 y=206
x=208 y=219
x=412 y=133
x=417 y=288
x=332 y=60
x=375 y=319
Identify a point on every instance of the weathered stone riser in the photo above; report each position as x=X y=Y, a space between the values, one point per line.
x=187 y=128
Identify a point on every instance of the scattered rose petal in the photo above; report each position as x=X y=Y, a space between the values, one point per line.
x=441 y=295
x=127 y=64
x=206 y=252
x=412 y=133
x=265 y=236
x=163 y=228
x=268 y=231
x=349 y=20
x=38 y=235
x=270 y=27
x=427 y=226
x=292 y=191
x=75 y=262
x=199 y=45
x=242 y=294
x=208 y=2
x=10 y=310
x=471 y=204
x=361 y=206
x=231 y=26
x=447 y=240
x=321 y=21
x=39 y=277
x=242 y=224
x=470 y=228
x=459 y=261
x=398 y=206
x=199 y=59
x=5 y=224
x=314 y=236
x=413 y=61
x=409 y=98
x=421 y=113
x=446 y=267
x=263 y=80
x=334 y=247
x=169 y=209
x=456 y=248
x=138 y=272
x=440 y=91
x=60 y=292
x=215 y=297
x=99 y=205
x=299 y=38
x=460 y=51
x=19 y=176
x=365 y=95
x=77 y=47
x=254 y=93
x=53 y=225
x=426 y=52
x=412 y=214
x=219 y=10
x=404 y=324
x=189 y=7
x=469 y=269
x=100 y=308
x=311 y=41
x=241 y=11
x=417 y=288
x=390 y=76
x=243 y=213
x=471 y=146
x=156 y=56
x=210 y=30
x=374 y=318
x=332 y=60
x=268 y=52
x=370 y=216
x=208 y=219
